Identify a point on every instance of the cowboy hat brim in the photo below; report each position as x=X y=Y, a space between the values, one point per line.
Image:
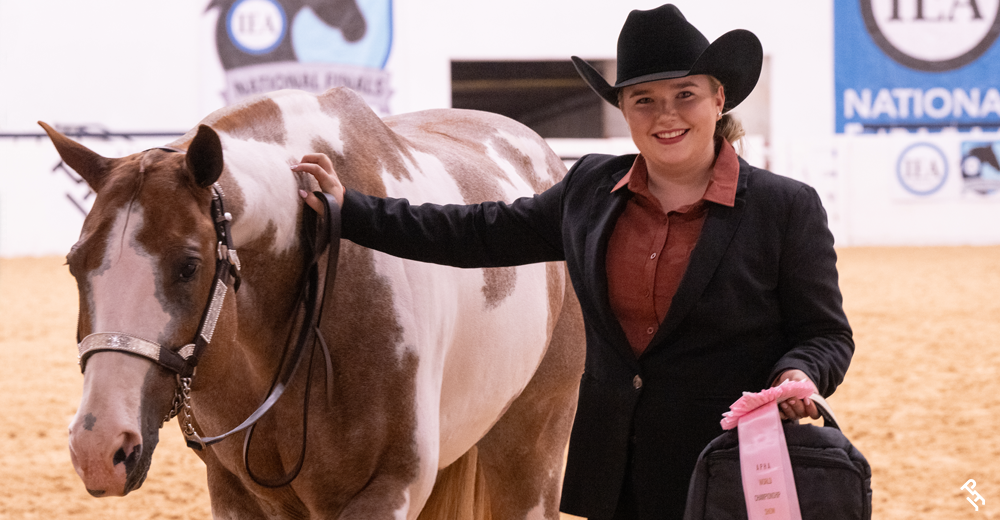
x=735 y=59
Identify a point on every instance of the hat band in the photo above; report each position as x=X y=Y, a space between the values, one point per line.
x=646 y=78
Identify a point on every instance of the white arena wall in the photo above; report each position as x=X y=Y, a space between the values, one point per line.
x=151 y=66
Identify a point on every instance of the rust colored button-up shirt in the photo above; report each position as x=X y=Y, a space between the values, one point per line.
x=649 y=251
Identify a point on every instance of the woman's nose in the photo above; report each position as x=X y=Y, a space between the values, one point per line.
x=665 y=109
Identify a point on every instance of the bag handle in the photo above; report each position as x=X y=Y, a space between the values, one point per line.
x=825 y=411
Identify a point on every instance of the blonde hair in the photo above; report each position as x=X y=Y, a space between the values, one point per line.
x=728 y=127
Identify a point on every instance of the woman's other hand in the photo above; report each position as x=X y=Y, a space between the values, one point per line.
x=321 y=168
x=794 y=408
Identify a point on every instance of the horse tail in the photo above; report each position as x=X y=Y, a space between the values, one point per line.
x=460 y=492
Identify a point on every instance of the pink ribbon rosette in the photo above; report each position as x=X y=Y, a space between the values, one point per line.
x=768 y=481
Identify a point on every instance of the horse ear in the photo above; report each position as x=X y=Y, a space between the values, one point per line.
x=204 y=156
x=91 y=166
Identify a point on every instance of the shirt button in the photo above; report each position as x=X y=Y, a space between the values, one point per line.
x=652 y=256
x=637 y=382
x=650 y=330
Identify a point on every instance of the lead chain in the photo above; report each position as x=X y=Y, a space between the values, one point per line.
x=186 y=425
x=175 y=408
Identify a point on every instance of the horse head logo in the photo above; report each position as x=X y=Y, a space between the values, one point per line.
x=251 y=32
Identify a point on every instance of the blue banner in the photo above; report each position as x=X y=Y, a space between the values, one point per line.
x=312 y=45
x=916 y=64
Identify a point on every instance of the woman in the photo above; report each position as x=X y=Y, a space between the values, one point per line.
x=700 y=276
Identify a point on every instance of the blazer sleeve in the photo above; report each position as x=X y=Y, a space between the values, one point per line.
x=810 y=298
x=490 y=234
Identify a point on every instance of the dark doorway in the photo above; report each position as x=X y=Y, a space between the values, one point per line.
x=547 y=96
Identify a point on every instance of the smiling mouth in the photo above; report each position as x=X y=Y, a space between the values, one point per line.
x=670 y=135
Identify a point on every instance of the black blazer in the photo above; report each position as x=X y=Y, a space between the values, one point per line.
x=760 y=295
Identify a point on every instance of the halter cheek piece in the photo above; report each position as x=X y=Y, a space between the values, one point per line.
x=320 y=239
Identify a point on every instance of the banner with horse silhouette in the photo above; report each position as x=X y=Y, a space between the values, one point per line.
x=311 y=45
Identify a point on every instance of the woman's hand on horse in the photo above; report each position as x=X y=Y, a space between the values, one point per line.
x=321 y=168
x=794 y=408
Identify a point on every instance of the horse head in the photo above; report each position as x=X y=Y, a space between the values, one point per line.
x=144 y=269
x=343 y=14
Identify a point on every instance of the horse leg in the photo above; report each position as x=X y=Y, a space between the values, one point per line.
x=522 y=457
x=459 y=491
x=230 y=499
x=386 y=497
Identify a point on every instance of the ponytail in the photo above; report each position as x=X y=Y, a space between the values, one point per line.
x=728 y=127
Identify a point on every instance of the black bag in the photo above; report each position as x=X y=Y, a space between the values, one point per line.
x=832 y=478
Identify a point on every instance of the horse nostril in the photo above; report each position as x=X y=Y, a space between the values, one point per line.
x=97 y=492
x=119 y=457
x=130 y=459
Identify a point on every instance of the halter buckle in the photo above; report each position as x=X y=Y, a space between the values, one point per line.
x=222 y=252
x=234 y=259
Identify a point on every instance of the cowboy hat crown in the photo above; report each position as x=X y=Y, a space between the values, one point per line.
x=661 y=44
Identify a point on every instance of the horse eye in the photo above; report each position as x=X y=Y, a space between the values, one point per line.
x=188 y=270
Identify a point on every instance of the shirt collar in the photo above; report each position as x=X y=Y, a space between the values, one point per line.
x=721 y=187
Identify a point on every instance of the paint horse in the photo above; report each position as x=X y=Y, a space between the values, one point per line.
x=447 y=393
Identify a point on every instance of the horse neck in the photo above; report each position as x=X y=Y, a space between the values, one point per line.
x=267 y=238
x=260 y=137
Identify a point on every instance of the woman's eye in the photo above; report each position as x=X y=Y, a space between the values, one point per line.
x=685 y=94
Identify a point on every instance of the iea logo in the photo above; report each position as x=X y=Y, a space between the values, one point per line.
x=922 y=169
x=932 y=35
x=257 y=26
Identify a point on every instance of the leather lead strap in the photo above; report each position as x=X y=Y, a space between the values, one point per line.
x=325 y=239
x=322 y=236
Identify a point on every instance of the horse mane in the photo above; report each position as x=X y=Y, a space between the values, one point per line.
x=258 y=117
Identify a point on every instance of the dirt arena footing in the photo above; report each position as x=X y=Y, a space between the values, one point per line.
x=921 y=400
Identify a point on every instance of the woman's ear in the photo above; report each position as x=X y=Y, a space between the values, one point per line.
x=720 y=98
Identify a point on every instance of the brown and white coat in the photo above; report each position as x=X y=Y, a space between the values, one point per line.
x=446 y=382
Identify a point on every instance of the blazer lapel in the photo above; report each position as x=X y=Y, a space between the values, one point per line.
x=720 y=226
x=606 y=210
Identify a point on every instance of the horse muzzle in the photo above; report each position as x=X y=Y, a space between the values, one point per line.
x=109 y=442
x=106 y=463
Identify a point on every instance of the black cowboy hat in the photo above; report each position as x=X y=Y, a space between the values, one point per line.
x=661 y=44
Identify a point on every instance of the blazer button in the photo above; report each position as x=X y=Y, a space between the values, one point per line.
x=637 y=382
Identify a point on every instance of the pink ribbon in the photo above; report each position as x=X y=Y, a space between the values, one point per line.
x=768 y=481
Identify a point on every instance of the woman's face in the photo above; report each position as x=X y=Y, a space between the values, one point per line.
x=673 y=122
